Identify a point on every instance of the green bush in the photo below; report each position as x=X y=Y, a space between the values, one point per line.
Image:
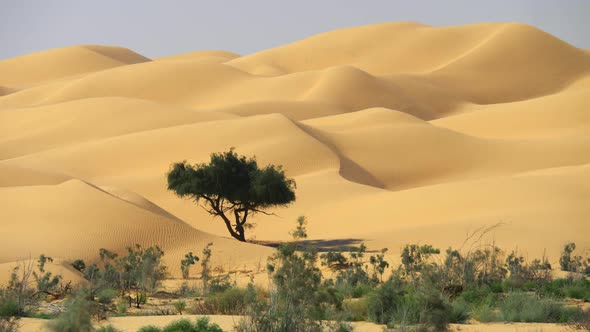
x=356 y=310
x=384 y=303
x=179 y=306
x=435 y=312
x=484 y=312
x=460 y=311
x=232 y=301
x=108 y=328
x=8 y=307
x=522 y=307
x=579 y=289
x=185 y=325
x=76 y=318
x=150 y=328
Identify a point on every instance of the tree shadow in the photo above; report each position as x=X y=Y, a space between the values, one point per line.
x=321 y=245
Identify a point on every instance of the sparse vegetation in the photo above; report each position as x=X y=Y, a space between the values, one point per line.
x=425 y=292
x=76 y=318
x=185 y=264
x=185 y=325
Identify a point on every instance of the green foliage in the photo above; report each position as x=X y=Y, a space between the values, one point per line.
x=8 y=305
x=232 y=301
x=460 y=311
x=179 y=306
x=212 y=284
x=379 y=264
x=24 y=275
x=484 y=312
x=185 y=325
x=356 y=310
x=384 y=303
x=232 y=185
x=79 y=265
x=76 y=318
x=334 y=259
x=415 y=257
x=106 y=296
x=133 y=275
x=108 y=328
x=185 y=264
x=298 y=300
x=354 y=280
x=572 y=263
x=522 y=307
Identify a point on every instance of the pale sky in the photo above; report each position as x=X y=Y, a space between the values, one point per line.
x=157 y=28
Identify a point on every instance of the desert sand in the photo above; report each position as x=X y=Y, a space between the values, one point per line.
x=396 y=133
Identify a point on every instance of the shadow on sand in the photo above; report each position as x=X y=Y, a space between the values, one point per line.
x=321 y=245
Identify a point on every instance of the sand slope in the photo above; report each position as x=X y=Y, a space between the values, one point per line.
x=395 y=133
x=43 y=66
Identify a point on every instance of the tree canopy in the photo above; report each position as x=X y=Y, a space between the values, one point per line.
x=232 y=186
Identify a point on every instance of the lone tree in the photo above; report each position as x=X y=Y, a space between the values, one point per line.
x=231 y=185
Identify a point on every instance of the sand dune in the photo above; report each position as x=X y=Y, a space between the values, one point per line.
x=202 y=57
x=395 y=133
x=408 y=152
x=76 y=219
x=35 y=68
x=34 y=129
x=549 y=116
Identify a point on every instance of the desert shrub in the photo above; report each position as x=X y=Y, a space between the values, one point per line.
x=484 y=312
x=566 y=261
x=378 y=265
x=232 y=301
x=356 y=310
x=185 y=264
x=353 y=279
x=566 y=287
x=27 y=285
x=179 y=306
x=522 y=307
x=396 y=302
x=579 y=289
x=150 y=328
x=8 y=305
x=185 y=325
x=384 y=303
x=298 y=299
x=108 y=328
x=460 y=311
x=334 y=260
x=415 y=258
x=121 y=306
x=212 y=284
x=132 y=276
x=76 y=318
x=574 y=263
x=435 y=312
